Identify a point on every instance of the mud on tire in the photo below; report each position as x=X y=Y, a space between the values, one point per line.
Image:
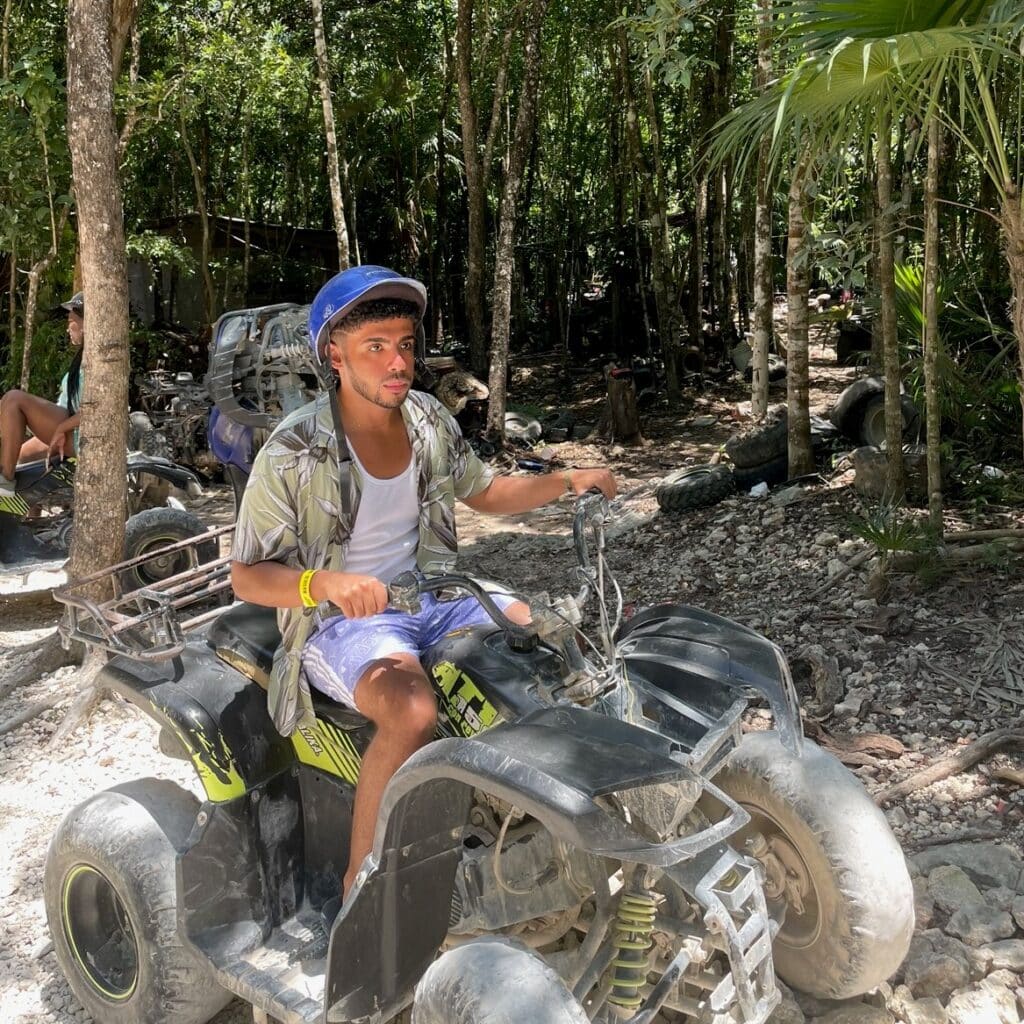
x=694 y=487
x=858 y=902
x=110 y=895
x=493 y=981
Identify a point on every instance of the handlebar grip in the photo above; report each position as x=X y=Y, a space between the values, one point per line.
x=404 y=593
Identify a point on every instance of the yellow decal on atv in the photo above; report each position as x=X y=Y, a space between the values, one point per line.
x=216 y=767
x=328 y=748
x=14 y=504
x=461 y=702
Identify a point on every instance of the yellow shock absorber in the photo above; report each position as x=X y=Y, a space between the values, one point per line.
x=634 y=923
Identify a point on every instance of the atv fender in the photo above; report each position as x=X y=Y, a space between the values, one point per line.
x=555 y=764
x=217 y=715
x=180 y=476
x=708 y=662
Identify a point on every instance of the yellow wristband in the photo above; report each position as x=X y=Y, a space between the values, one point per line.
x=304 y=581
x=567 y=478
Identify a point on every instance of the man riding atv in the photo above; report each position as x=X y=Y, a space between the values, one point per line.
x=348 y=493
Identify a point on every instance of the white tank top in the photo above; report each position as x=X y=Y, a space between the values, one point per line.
x=386 y=533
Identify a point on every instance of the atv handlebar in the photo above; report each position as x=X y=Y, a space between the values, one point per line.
x=404 y=591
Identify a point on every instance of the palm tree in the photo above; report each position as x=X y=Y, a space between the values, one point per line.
x=867 y=62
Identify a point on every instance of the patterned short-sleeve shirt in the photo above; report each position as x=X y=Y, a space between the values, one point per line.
x=291 y=513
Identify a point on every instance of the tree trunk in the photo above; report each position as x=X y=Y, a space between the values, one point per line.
x=503 y=256
x=1013 y=240
x=657 y=213
x=895 y=477
x=209 y=293
x=334 y=158
x=5 y=43
x=625 y=419
x=475 y=196
x=763 y=291
x=31 y=301
x=100 y=483
x=801 y=455
x=930 y=341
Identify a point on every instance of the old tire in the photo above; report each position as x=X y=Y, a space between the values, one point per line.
x=758 y=445
x=155 y=528
x=858 y=902
x=521 y=427
x=493 y=981
x=771 y=473
x=872 y=422
x=111 y=903
x=694 y=487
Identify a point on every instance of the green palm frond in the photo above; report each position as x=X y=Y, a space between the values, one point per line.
x=827 y=93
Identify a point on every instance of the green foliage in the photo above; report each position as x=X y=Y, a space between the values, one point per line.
x=892 y=529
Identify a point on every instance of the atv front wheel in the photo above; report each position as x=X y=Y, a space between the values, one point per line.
x=111 y=904
x=831 y=864
x=493 y=981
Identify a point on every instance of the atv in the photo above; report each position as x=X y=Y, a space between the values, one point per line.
x=37 y=520
x=593 y=835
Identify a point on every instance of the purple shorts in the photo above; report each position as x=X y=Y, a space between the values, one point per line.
x=336 y=656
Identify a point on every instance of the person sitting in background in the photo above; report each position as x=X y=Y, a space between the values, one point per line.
x=49 y=422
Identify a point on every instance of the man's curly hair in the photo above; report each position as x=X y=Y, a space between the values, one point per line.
x=376 y=310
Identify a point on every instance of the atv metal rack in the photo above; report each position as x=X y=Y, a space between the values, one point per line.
x=148 y=623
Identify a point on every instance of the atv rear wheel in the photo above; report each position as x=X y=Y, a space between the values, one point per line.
x=156 y=528
x=111 y=904
x=493 y=981
x=831 y=862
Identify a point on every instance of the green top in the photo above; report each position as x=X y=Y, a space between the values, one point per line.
x=291 y=513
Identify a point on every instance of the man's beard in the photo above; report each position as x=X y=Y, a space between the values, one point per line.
x=380 y=397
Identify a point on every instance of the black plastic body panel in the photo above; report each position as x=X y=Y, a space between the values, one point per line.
x=709 y=662
x=219 y=715
x=552 y=765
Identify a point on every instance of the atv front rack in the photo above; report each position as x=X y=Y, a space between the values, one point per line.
x=149 y=622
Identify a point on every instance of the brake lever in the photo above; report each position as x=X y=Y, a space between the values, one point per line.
x=404 y=593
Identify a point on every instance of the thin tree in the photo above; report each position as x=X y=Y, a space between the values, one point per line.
x=100 y=483
x=334 y=157
x=503 y=256
x=477 y=163
x=763 y=290
x=895 y=478
x=930 y=336
x=801 y=453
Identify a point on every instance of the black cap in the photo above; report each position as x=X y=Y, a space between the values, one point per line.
x=76 y=304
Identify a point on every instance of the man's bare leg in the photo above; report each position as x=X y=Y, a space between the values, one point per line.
x=395 y=694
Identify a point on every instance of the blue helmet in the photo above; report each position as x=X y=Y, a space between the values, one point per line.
x=346 y=290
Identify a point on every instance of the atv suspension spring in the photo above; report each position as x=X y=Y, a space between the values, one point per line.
x=634 y=925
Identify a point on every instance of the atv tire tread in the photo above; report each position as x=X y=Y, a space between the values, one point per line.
x=865 y=897
x=771 y=473
x=759 y=444
x=157 y=527
x=129 y=834
x=694 y=487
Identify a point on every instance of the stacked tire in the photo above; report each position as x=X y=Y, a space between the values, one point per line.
x=760 y=454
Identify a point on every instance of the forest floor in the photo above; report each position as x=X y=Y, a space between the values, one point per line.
x=895 y=676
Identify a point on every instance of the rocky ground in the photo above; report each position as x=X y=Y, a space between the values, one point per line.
x=896 y=673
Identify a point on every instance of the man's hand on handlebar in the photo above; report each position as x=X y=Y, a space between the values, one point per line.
x=584 y=480
x=357 y=596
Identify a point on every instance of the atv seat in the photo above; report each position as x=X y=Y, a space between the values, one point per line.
x=246 y=637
